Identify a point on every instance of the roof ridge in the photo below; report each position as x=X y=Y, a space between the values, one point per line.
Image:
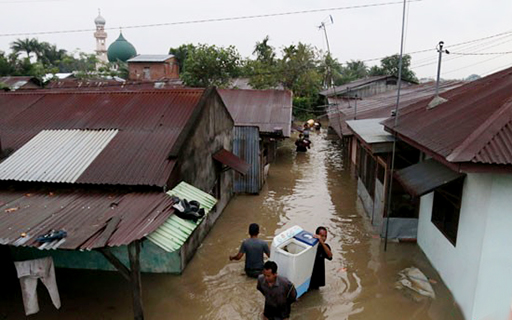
x=479 y=138
x=78 y=91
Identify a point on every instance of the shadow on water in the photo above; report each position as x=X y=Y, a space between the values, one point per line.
x=309 y=189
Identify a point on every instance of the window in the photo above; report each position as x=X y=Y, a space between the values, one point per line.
x=147 y=74
x=366 y=170
x=446 y=209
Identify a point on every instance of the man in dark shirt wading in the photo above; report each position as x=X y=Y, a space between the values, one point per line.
x=323 y=252
x=279 y=293
x=254 y=249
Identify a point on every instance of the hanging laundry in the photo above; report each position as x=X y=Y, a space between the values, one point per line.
x=29 y=272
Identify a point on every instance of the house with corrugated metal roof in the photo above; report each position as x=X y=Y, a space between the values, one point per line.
x=262 y=119
x=369 y=147
x=102 y=166
x=464 y=187
x=365 y=87
x=13 y=83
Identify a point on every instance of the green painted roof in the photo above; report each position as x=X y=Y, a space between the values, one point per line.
x=121 y=50
x=173 y=233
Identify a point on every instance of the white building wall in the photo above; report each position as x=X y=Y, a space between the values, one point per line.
x=494 y=286
x=459 y=265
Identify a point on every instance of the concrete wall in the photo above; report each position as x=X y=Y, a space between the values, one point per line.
x=459 y=265
x=493 y=294
x=213 y=132
x=157 y=70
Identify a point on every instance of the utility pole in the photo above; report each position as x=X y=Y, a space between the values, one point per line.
x=441 y=51
x=390 y=189
x=329 y=71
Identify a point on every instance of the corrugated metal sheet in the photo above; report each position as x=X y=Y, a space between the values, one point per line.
x=424 y=177
x=83 y=214
x=231 y=160
x=20 y=82
x=472 y=126
x=149 y=123
x=270 y=110
x=380 y=105
x=370 y=130
x=246 y=145
x=151 y=58
x=56 y=155
x=175 y=231
x=356 y=84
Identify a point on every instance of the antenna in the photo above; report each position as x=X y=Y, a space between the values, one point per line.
x=326 y=22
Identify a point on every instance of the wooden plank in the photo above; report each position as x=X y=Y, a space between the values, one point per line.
x=109 y=229
x=125 y=272
x=133 y=252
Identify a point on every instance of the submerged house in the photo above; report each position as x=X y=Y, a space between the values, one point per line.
x=112 y=149
x=262 y=119
x=464 y=187
x=101 y=166
x=369 y=148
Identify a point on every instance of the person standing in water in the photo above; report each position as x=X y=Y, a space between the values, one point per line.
x=254 y=249
x=279 y=293
x=323 y=252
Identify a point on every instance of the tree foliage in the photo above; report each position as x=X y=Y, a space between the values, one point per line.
x=211 y=66
x=181 y=53
x=390 y=66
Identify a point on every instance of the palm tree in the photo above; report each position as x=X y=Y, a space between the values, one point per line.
x=25 y=45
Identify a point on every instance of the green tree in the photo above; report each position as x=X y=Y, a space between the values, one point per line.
x=181 y=53
x=210 y=65
x=25 y=45
x=264 y=52
x=354 y=69
x=332 y=70
x=6 y=65
x=389 y=66
x=263 y=73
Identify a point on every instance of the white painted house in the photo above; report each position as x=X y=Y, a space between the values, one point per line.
x=465 y=187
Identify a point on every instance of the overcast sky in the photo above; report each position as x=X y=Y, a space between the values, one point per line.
x=356 y=34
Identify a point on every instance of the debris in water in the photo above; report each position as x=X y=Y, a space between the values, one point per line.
x=415 y=280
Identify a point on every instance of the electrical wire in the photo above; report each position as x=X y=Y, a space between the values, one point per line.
x=211 y=20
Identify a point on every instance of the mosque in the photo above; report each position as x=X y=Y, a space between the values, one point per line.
x=119 y=50
x=147 y=67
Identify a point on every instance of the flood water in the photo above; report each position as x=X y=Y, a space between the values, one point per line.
x=309 y=190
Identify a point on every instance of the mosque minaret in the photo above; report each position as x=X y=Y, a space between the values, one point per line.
x=101 y=37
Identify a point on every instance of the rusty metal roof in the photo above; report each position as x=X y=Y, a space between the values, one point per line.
x=474 y=125
x=83 y=214
x=20 y=82
x=269 y=110
x=149 y=123
x=424 y=177
x=356 y=85
x=380 y=105
x=229 y=159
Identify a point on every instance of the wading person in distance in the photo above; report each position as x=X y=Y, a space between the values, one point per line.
x=254 y=249
x=278 y=291
x=323 y=252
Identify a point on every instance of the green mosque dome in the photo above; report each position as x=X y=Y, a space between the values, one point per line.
x=121 y=50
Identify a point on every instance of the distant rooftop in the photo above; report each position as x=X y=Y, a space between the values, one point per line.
x=151 y=58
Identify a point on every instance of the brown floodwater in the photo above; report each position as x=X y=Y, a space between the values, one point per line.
x=309 y=190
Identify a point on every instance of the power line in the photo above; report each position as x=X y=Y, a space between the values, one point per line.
x=211 y=20
x=454 y=45
x=480 y=54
